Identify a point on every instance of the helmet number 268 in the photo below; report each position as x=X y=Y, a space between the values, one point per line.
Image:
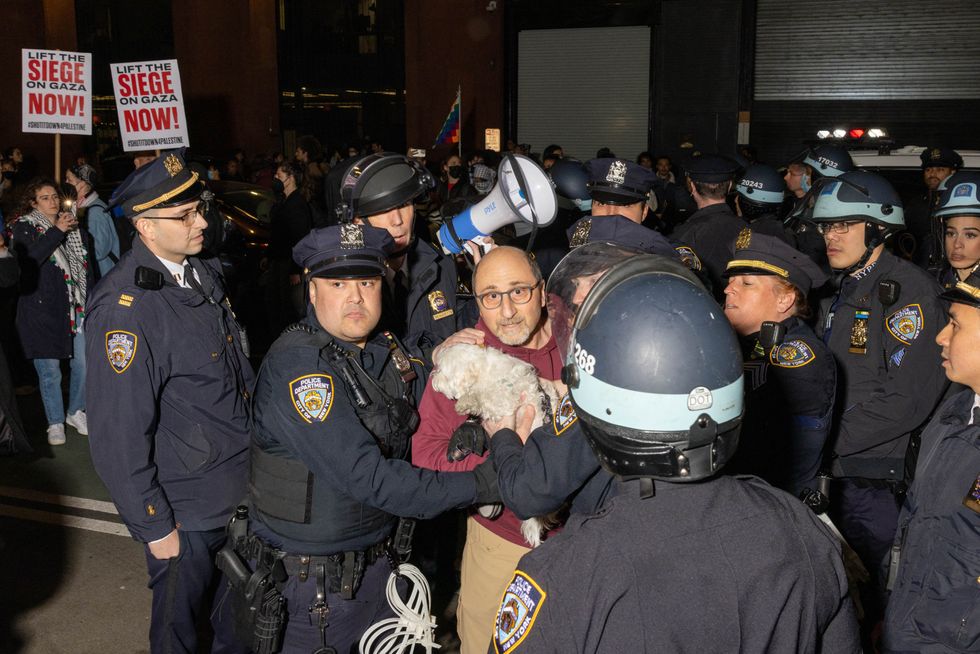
x=584 y=360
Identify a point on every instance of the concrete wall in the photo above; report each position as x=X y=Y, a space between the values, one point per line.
x=450 y=43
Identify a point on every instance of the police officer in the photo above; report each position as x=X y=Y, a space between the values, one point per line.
x=824 y=161
x=762 y=572
x=938 y=164
x=759 y=194
x=958 y=213
x=421 y=304
x=790 y=376
x=712 y=229
x=169 y=424
x=933 y=602
x=334 y=412
x=881 y=325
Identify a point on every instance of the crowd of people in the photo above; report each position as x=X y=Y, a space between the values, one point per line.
x=760 y=434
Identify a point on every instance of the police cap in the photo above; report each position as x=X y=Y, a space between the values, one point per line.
x=761 y=254
x=164 y=182
x=965 y=292
x=619 y=230
x=941 y=158
x=347 y=251
x=618 y=181
x=712 y=168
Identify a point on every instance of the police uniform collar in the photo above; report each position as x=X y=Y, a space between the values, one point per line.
x=718 y=207
x=958 y=409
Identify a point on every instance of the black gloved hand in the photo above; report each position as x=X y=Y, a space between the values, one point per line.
x=485 y=475
x=469 y=438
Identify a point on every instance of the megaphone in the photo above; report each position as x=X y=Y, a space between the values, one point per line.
x=523 y=193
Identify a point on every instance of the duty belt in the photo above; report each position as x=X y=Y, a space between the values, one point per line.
x=343 y=571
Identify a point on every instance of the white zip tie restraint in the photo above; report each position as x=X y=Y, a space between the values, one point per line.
x=413 y=624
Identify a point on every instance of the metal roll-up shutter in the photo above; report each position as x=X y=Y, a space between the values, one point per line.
x=584 y=89
x=872 y=49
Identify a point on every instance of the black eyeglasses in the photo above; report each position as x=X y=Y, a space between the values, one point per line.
x=836 y=228
x=188 y=217
x=518 y=295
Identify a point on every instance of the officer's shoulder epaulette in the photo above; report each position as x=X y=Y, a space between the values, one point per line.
x=792 y=354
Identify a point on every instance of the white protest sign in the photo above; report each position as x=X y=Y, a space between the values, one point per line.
x=57 y=92
x=150 y=105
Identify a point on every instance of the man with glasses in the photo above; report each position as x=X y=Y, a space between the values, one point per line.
x=169 y=420
x=881 y=326
x=510 y=294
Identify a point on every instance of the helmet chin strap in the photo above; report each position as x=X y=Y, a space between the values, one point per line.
x=873 y=237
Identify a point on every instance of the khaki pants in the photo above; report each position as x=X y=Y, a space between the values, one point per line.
x=488 y=566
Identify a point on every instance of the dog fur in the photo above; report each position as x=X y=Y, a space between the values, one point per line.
x=487 y=383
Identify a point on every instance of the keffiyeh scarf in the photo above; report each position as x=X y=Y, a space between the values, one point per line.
x=71 y=258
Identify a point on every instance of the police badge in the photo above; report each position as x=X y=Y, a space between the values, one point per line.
x=439 y=305
x=172 y=164
x=744 y=239
x=859 y=333
x=351 y=236
x=312 y=396
x=617 y=172
x=120 y=348
x=581 y=235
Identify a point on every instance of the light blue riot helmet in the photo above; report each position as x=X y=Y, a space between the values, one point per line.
x=655 y=373
x=960 y=197
x=829 y=160
x=760 y=189
x=860 y=196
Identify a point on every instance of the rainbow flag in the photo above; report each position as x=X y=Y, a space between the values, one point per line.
x=450 y=128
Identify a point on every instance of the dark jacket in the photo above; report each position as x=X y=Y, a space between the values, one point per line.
x=890 y=385
x=169 y=425
x=935 y=601
x=454 y=200
x=13 y=438
x=353 y=478
x=43 y=323
x=724 y=565
x=711 y=233
x=291 y=220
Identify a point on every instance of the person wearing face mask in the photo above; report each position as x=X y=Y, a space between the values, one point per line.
x=291 y=220
x=455 y=192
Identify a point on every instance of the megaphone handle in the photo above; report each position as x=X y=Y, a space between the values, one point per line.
x=528 y=198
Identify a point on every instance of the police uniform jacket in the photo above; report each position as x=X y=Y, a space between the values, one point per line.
x=168 y=393
x=353 y=480
x=711 y=232
x=727 y=565
x=42 y=321
x=935 y=601
x=891 y=378
x=789 y=401
x=556 y=464
x=429 y=312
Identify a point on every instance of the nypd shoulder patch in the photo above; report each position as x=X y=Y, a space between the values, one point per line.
x=688 y=257
x=120 y=348
x=565 y=415
x=519 y=608
x=791 y=354
x=906 y=323
x=312 y=396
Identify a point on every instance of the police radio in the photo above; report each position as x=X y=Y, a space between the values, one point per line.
x=771 y=334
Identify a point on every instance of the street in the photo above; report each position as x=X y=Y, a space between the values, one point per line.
x=73 y=580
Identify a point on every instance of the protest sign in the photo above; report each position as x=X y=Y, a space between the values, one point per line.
x=57 y=92
x=150 y=105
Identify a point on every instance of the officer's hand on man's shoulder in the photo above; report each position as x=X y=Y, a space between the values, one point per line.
x=167 y=547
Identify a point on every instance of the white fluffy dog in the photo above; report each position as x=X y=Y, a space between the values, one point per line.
x=489 y=384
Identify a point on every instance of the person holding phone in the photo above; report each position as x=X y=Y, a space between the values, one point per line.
x=51 y=309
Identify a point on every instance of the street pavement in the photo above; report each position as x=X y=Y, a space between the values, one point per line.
x=72 y=579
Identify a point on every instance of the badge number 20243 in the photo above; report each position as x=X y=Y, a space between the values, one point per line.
x=312 y=396
x=120 y=348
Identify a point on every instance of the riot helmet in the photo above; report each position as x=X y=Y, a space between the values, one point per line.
x=380 y=182
x=571 y=182
x=860 y=196
x=828 y=160
x=760 y=189
x=654 y=373
x=961 y=196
